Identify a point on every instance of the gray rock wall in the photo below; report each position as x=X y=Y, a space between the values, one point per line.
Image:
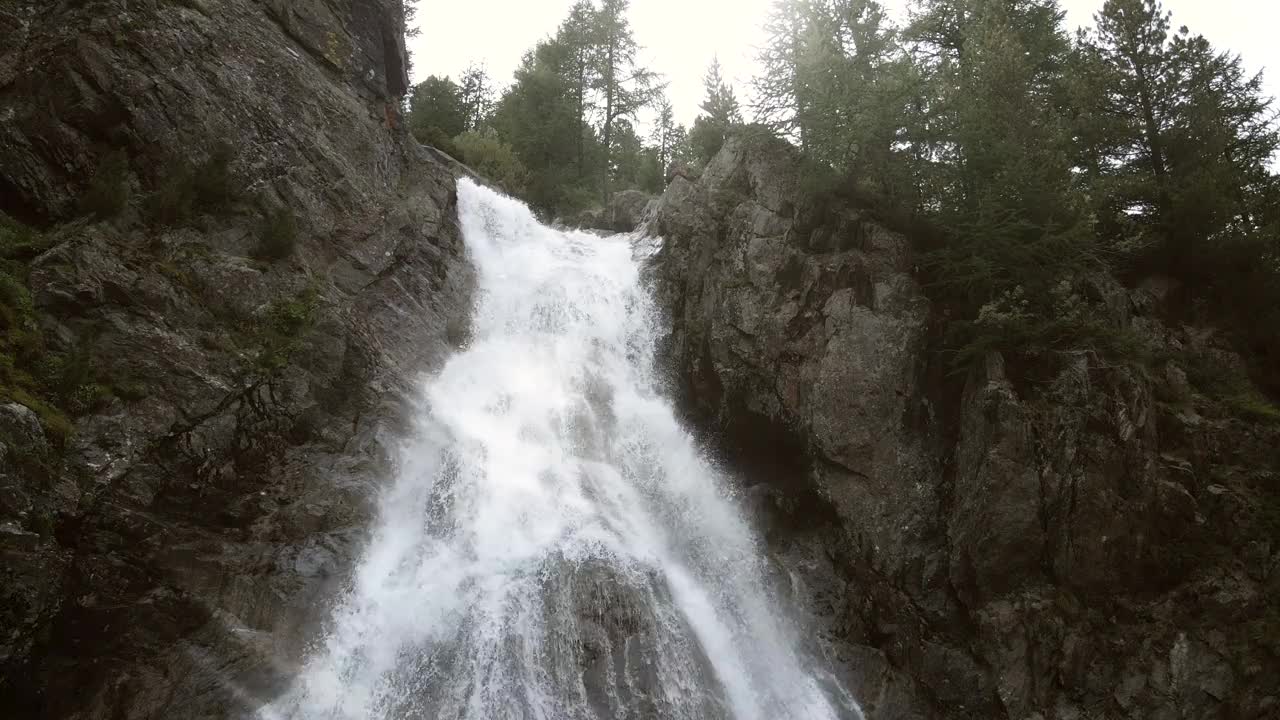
x=1100 y=543
x=173 y=557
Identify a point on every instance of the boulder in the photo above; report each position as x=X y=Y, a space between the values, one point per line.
x=627 y=210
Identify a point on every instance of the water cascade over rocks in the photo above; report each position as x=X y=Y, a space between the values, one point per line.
x=555 y=546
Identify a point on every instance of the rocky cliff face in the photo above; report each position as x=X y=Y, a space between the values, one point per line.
x=1097 y=543
x=163 y=558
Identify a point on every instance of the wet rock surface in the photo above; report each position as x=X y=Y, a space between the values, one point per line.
x=1100 y=543
x=172 y=556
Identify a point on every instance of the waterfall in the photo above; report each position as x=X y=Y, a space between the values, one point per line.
x=555 y=545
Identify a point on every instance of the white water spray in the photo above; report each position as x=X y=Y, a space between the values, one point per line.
x=555 y=546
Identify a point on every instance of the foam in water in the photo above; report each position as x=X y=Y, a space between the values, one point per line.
x=554 y=545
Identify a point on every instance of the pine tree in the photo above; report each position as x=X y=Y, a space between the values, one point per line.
x=476 y=95
x=720 y=113
x=1182 y=135
x=579 y=33
x=536 y=116
x=1000 y=177
x=721 y=104
x=663 y=134
x=625 y=87
x=836 y=80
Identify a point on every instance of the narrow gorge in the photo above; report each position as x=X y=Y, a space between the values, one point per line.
x=302 y=419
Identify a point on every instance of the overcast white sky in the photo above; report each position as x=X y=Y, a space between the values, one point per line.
x=680 y=37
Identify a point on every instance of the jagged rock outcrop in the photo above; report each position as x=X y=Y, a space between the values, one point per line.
x=798 y=330
x=1099 y=543
x=166 y=559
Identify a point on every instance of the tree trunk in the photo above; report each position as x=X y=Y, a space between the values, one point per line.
x=610 y=90
x=582 y=120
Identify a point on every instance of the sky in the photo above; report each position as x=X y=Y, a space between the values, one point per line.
x=681 y=37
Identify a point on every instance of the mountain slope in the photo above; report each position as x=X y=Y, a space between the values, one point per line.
x=250 y=263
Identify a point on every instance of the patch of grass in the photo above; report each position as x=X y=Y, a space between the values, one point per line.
x=278 y=236
x=108 y=193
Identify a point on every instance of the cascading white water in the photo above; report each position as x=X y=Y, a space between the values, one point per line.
x=554 y=545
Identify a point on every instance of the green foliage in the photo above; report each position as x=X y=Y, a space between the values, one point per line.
x=720 y=115
x=537 y=116
x=836 y=80
x=284 y=326
x=670 y=144
x=488 y=155
x=108 y=193
x=278 y=236
x=1019 y=324
x=22 y=348
x=627 y=156
x=1179 y=138
x=56 y=424
x=1016 y=234
x=706 y=139
x=1037 y=160
x=624 y=85
x=437 y=110
x=568 y=116
x=1177 y=144
x=19 y=243
x=184 y=189
x=477 y=98
x=651 y=171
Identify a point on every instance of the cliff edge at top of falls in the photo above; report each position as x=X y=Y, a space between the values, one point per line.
x=243 y=263
x=1100 y=542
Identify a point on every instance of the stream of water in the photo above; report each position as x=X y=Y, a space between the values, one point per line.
x=555 y=546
